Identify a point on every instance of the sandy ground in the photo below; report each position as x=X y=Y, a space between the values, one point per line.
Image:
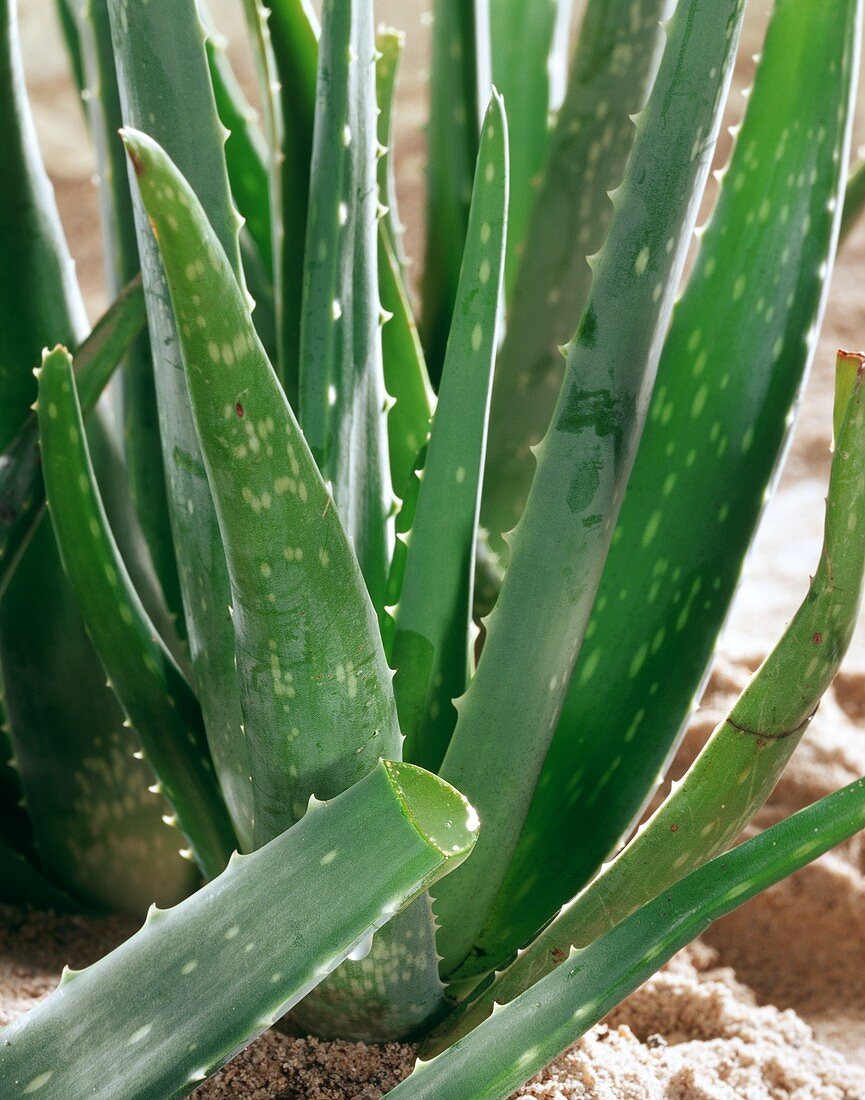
x=772 y=1002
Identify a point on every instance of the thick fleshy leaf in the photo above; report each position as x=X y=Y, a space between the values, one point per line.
x=22 y=492
x=21 y=883
x=97 y=830
x=176 y=105
x=854 y=199
x=610 y=78
x=432 y=641
x=459 y=90
x=139 y=421
x=284 y=37
x=523 y=1036
x=200 y=981
x=405 y=374
x=740 y=764
x=158 y=702
x=508 y=715
x=342 y=392
x=316 y=692
x=529 y=46
x=741 y=340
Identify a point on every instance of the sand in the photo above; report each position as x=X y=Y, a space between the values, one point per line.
x=771 y=1004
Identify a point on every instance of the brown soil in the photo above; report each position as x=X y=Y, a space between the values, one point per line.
x=772 y=1003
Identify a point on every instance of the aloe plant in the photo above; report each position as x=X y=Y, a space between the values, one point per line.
x=282 y=584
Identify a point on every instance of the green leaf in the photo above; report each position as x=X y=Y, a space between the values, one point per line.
x=612 y=73
x=284 y=37
x=294 y=38
x=176 y=105
x=97 y=830
x=405 y=374
x=741 y=762
x=523 y=1036
x=316 y=691
x=431 y=649
x=508 y=715
x=854 y=199
x=246 y=152
x=38 y=291
x=740 y=342
x=459 y=90
x=71 y=40
x=139 y=422
x=200 y=981
x=21 y=883
x=342 y=392
x=389 y=44
x=22 y=492
x=529 y=45
x=158 y=702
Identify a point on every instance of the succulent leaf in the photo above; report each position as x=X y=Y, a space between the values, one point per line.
x=22 y=492
x=405 y=373
x=201 y=980
x=529 y=46
x=21 y=883
x=433 y=618
x=316 y=691
x=97 y=830
x=284 y=35
x=508 y=715
x=741 y=762
x=139 y=422
x=612 y=72
x=521 y=1037
x=72 y=41
x=459 y=90
x=246 y=151
x=157 y=700
x=854 y=199
x=342 y=392
x=177 y=106
x=741 y=340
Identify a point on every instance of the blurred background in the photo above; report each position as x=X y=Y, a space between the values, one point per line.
x=788 y=546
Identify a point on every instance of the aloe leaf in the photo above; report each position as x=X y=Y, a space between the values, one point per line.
x=390 y=44
x=22 y=492
x=37 y=277
x=98 y=832
x=248 y=163
x=405 y=373
x=741 y=762
x=177 y=106
x=529 y=46
x=200 y=981
x=612 y=73
x=246 y=152
x=284 y=39
x=459 y=90
x=508 y=715
x=733 y=364
x=341 y=383
x=433 y=618
x=139 y=430
x=316 y=694
x=158 y=702
x=21 y=883
x=72 y=41
x=523 y=1036
x=292 y=34
x=854 y=199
